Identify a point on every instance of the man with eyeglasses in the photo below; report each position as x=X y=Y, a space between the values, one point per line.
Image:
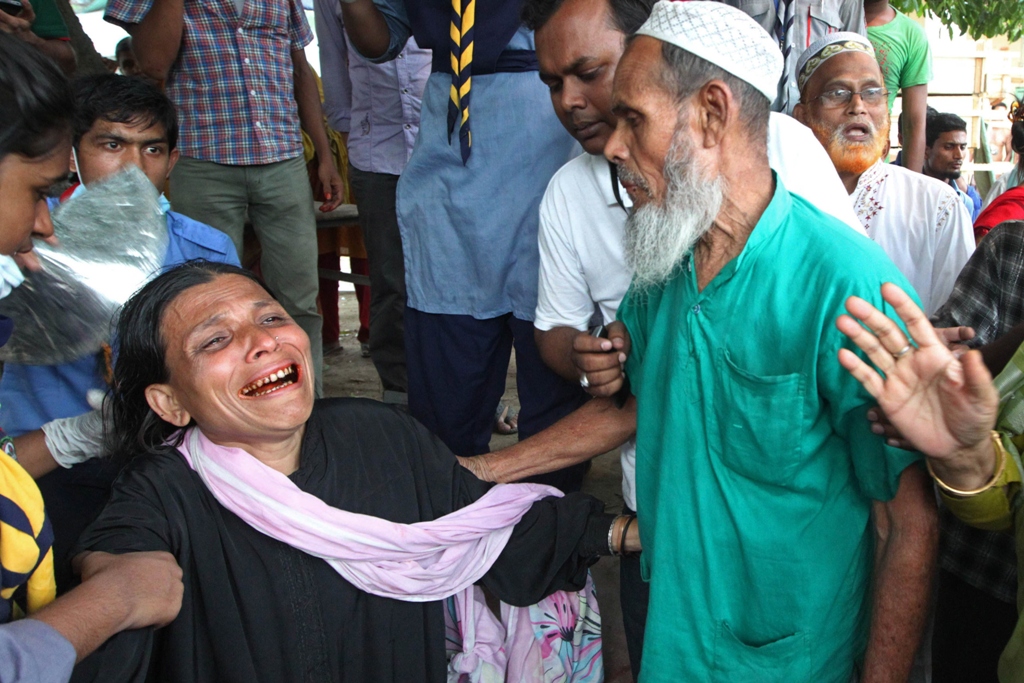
x=919 y=221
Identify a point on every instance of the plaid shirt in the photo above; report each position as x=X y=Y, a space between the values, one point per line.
x=988 y=296
x=232 y=83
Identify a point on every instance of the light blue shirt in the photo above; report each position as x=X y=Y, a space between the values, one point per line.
x=971 y=199
x=378 y=105
x=33 y=652
x=470 y=231
x=32 y=395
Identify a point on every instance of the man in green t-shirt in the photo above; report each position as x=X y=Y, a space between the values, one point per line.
x=39 y=23
x=760 y=485
x=906 y=60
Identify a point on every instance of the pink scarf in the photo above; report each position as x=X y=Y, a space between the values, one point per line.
x=418 y=562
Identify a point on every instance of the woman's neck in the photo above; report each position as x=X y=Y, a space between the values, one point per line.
x=281 y=454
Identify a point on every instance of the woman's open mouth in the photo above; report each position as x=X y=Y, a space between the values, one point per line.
x=272 y=382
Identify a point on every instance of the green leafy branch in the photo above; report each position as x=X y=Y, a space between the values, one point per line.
x=978 y=18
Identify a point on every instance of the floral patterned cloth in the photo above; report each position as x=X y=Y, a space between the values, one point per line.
x=557 y=640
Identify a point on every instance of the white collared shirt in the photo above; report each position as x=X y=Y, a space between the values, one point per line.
x=920 y=223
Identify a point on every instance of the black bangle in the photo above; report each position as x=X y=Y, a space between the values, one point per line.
x=625 y=530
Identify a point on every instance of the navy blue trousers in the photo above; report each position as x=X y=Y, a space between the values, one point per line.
x=457 y=367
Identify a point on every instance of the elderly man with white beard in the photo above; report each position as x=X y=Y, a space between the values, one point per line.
x=783 y=540
x=919 y=221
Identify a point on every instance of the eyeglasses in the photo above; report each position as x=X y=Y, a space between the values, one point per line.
x=842 y=96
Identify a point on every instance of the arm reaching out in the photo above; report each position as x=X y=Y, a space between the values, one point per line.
x=945 y=406
x=118 y=592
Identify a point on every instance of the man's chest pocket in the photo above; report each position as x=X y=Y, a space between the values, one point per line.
x=761 y=421
x=823 y=18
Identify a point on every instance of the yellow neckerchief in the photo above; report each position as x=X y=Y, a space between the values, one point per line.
x=26 y=540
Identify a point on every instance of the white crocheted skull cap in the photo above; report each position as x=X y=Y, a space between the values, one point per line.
x=722 y=35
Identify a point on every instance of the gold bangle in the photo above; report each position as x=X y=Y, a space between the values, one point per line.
x=1001 y=456
x=625 y=532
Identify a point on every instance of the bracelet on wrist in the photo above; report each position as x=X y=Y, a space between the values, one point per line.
x=1001 y=456
x=625 y=532
x=7 y=446
x=611 y=532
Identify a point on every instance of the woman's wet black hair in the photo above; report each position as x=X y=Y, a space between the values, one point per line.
x=141 y=358
x=1017 y=141
x=36 y=103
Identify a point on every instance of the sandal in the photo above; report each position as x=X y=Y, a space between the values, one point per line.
x=506 y=420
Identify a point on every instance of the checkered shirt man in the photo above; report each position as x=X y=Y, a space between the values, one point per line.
x=988 y=296
x=232 y=83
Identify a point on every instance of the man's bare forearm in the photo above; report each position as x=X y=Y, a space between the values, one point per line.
x=366 y=27
x=555 y=346
x=33 y=453
x=907 y=530
x=595 y=428
x=311 y=113
x=88 y=615
x=156 y=39
x=915 y=106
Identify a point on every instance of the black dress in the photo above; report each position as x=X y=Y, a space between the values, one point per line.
x=255 y=609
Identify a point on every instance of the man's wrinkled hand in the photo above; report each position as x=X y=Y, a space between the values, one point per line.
x=600 y=360
x=478 y=466
x=21 y=25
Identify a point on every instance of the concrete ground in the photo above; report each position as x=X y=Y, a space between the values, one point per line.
x=348 y=374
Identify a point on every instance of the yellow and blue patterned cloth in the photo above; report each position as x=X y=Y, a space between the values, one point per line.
x=26 y=540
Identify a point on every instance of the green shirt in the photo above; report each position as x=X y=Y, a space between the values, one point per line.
x=49 y=23
x=902 y=50
x=756 y=466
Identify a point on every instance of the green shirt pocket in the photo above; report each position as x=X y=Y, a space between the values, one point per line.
x=784 y=660
x=761 y=423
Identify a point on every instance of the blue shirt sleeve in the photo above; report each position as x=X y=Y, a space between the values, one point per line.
x=333 y=46
x=189 y=239
x=33 y=652
x=976 y=200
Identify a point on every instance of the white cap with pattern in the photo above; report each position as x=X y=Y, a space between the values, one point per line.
x=722 y=35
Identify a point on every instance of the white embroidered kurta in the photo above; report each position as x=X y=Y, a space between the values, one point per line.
x=920 y=223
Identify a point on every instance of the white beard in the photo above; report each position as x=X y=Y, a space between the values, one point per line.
x=659 y=237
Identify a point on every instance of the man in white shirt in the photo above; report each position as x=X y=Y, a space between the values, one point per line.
x=583 y=271
x=919 y=221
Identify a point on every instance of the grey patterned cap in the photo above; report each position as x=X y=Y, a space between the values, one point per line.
x=826 y=47
x=722 y=35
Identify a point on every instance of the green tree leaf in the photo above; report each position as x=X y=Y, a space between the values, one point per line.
x=977 y=18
